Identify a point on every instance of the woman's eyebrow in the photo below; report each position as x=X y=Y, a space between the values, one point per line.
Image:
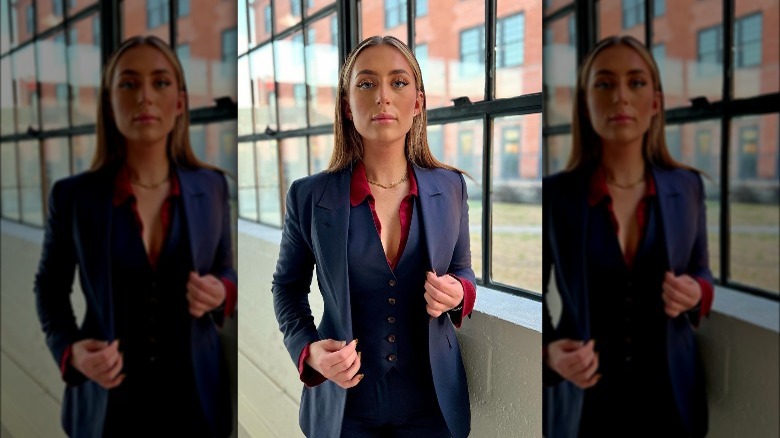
x=132 y=72
x=372 y=72
x=612 y=73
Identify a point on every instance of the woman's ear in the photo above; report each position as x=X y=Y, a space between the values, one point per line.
x=418 y=103
x=180 y=102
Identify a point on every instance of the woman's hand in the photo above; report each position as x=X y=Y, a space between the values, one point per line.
x=442 y=293
x=205 y=293
x=99 y=361
x=680 y=294
x=337 y=361
x=574 y=361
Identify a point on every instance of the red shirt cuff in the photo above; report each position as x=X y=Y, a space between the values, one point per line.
x=231 y=295
x=469 y=297
x=707 y=294
x=307 y=374
x=65 y=360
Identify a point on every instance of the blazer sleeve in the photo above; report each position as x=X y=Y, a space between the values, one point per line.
x=292 y=280
x=460 y=266
x=54 y=279
x=223 y=259
x=549 y=334
x=699 y=262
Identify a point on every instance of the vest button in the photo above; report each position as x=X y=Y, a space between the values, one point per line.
x=391 y=319
x=391 y=339
x=391 y=283
x=391 y=301
x=391 y=358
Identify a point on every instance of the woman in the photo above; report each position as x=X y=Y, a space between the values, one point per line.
x=148 y=227
x=386 y=226
x=625 y=231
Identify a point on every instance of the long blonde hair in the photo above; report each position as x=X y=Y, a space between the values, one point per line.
x=586 y=143
x=110 y=143
x=347 y=142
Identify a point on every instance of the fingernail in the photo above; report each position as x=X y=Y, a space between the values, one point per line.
x=359 y=354
x=356 y=341
x=361 y=377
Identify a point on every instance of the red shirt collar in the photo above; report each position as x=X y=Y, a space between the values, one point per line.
x=598 y=187
x=359 y=189
x=123 y=190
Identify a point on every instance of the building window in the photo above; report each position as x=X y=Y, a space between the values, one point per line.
x=672 y=134
x=334 y=30
x=184 y=8
x=421 y=53
x=510 y=32
x=510 y=157
x=267 y=18
x=295 y=8
x=57 y=7
x=748 y=152
x=422 y=8
x=466 y=150
x=156 y=13
x=703 y=155
x=634 y=11
x=747 y=41
x=436 y=143
x=229 y=45
x=659 y=54
x=96 y=30
x=472 y=51
x=572 y=31
x=183 y=53
x=30 y=19
x=395 y=13
x=710 y=50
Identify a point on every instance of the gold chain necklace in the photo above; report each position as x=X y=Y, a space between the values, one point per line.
x=392 y=184
x=629 y=185
x=150 y=186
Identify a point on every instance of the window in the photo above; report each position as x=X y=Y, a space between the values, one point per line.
x=184 y=8
x=472 y=51
x=421 y=53
x=96 y=30
x=672 y=135
x=229 y=45
x=422 y=8
x=747 y=41
x=748 y=152
x=510 y=33
x=57 y=7
x=466 y=150
x=710 y=50
x=334 y=30
x=30 y=19
x=703 y=155
x=510 y=154
x=183 y=53
x=634 y=12
x=266 y=18
x=156 y=13
x=395 y=13
x=659 y=54
x=295 y=8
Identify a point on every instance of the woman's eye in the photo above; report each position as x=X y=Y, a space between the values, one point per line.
x=365 y=85
x=604 y=85
x=162 y=83
x=638 y=83
x=126 y=85
x=400 y=83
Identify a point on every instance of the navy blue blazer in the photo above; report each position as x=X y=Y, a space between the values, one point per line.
x=315 y=234
x=78 y=232
x=681 y=204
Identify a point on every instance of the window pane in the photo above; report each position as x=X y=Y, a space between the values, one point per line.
x=83 y=151
x=54 y=81
x=560 y=71
x=262 y=75
x=462 y=148
x=84 y=66
x=755 y=49
x=754 y=212
x=294 y=161
x=48 y=14
x=247 y=188
x=243 y=32
x=156 y=22
x=621 y=17
x=267 y=165
x=516 y=200
x=558 y=150
x=74 y=6
x=244 y=97
x=57 y=160
x=518 y=48
x=30 y=172
x=260 y=19
x=321 y=148
x=6 y=97
x=9 y=183
x=322 y=71
x=384 y=17
x=23 y=63
x=286 y=14
x=288 y=57
x=5 y=29
x=312 y=6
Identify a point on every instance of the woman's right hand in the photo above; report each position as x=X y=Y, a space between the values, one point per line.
x=337 y=361
x=575 y=361
x=99 y=361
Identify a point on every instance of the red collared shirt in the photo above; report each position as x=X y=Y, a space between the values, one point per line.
x=123 y=192
x=360 y=191
x=599 y=193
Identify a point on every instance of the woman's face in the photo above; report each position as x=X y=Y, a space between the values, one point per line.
x=145 y=96
x=621 y=96
x=383 y=98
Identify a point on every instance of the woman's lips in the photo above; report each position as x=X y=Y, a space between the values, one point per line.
x=621 y=118
x=145 y=118
x=383 y=118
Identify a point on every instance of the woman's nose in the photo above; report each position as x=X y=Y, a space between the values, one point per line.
x=382 y=94
x=621 y=93
x=145 y=92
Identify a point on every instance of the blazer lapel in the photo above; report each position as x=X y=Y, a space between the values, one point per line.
x=439 y=227
x=331 y=223
x=200 y=229
x=92 y=229
x=671 y=206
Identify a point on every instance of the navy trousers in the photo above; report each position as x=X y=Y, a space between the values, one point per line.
x=393 y=406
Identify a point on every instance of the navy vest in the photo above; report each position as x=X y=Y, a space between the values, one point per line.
x=388 y=306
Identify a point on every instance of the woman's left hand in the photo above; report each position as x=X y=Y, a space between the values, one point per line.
x=442 y=293
x=204 y=293
x=680 y=293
